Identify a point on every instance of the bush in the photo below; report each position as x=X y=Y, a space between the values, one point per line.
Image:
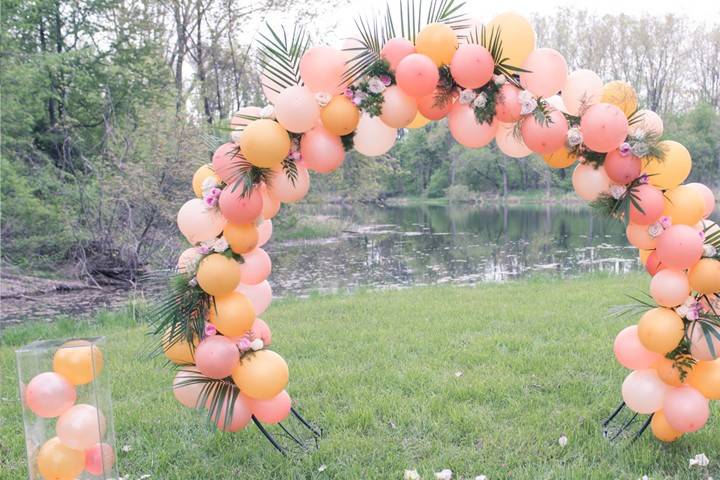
x=460 y=194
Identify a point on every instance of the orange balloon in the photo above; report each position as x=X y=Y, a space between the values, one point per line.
x=704 y=276
x=233 y=314
x=667 y=372
x=561 y=158
x=644 y=254
x=241 y=237
x=179 y=352
x=705 y=377
x=672 y=170
x=217 y=274
x=437 y=41
x=662 y=429
x=79 y=361
x=264 y=143
x=684 y=204
x=261 y=375
x=622 y=95
x=201 y=174
x=340 y=116
x=56 y=461
x=419 y=121
x=660 y=330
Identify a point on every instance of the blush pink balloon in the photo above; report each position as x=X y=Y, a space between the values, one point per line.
x=708 y=197
x=398 y=109
x=256 y=268
x=669 y=287
x=265 y=230
x=81 y=426
x=589 y=182
x=604 y=127
x=225 y=161
x=49 y=394
x=430 y=110
x=238 y=208
x=622 y=169
x=322 y=69
x=395 y=50
x=686 y=409
x=651 y=202
x=240 y=418
x=99 y=459
x=271 y=205
x=582 y=89
x=508 y=143
x=466 y=129
x=283 y=188
x=699 y=346
x=373 y=137
x=186 y=392
x=544 y=138
x=507 y=104
x=546 y=73
x=639 y=236
x=417 y=75
x=261 y=330
x=652 y=264
x=199 y=223
x=643 y=391
x=680 y=246
x=216 y=356
x=647 y=121
x=271 y=411
x=472 y=66
x=296 y=109
x=321 y=151
x=260 y=295
x=631 y=353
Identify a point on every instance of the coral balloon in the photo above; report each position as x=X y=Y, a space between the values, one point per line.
x=321 y=150
x=547 y=72
x=438 y=42
x=707 y=195
x=517 y=37
x=673 y=169
x=81 y=426
x=667 y=372
x=686 y=410
x=604 y=127
x=256 y=268
x=622 y=169
x=507 y=104
x=631 y=353
x=260 y=295
x=289 y=191
x=399 y=109
x=242 y=237
x=639 y=236
x=704 y=341
x=57 y=461
x=225 y=162
x=79 y=361
x=653 y=265
x=560 y=158
x=643 y=391
x=238 y=207
x=669 y=287
x=261 y=330
x=589 y=182
x=543 y=137
x=508 y=143
x=704 y=276
x=660 y=330
x=420 y=121
x=271 y=205
x=265 y=230
x=416 y=75
x=705 y=378
x=186 y=389
x=202 y=174
x=265 y=143
x=684 y=204
x=340 y=116
x=472 y=66
x=395 y=50
x=261 y=375
x=216 y=356
x=271 y=411
x=662 y=429
x=232 y=314
x=373 y=137
x=465 y=128
x=296 y=109
x=622 y=95
x=199 y=223
x=49 y=394
x=651 y=202
x=648 y=122
x=430 y=109
x=582 y=89
x=217 y=274
x=322 y=69
x=241 y=416
x=680 y=247
x=99 y=459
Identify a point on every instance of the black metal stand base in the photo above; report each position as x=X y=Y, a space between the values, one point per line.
x=298 y=438
x=621 y=425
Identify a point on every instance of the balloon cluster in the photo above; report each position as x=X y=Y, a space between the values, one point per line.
x=80 y=443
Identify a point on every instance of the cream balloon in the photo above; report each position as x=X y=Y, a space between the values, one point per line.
x=296 y=109
x=285 y=189
x=582 y=89
x=199 y=223
x=589 y=182
x=510 y=144
x=647 y=122
x=373 y=137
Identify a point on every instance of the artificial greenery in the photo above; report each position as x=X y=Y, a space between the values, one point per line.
x=218 y=396
x=608 y=206
x=290 y=169
x=683 y=360
x=348 y=141
x=446 y=88
x=486 y=113
x=280 y=56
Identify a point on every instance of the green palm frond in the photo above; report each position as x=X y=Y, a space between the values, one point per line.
x=492 y=41
x=712 y=238
x=212 y=142
x=217 y=395
x=243 y=175
x=290 y=169
x=372 y=38
x=448 y=12
x=280 y=56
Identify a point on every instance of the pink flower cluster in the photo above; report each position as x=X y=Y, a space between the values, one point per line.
x=212 y=197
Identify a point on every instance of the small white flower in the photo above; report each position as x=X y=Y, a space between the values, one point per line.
x=701 y=460
x=709 y=251
x=480 y=101
x=411 y=475
x=617 y=191
x=323 y=98
x=322 y=468
x=527 y=107
x=126 y=448
x=220 y=245
x=193 y=283
x=499 y=79
x=375 y=85
x=655 y=230
x=525 y=96
x=209 y=183
x=467 y=96
x=257 y=344
x=574 y=137
x=459 y=374
x=640 y=149
x=645 y=477
x=563 y=441
x=481 y=477
x=682 y=310
x=268 y=111
x=445 y=474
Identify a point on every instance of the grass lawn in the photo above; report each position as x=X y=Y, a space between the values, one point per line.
x=377 y=371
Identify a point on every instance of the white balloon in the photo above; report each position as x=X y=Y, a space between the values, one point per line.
x=373 y=137
x=508 y=143
x=582 y=89
x=199 y=223
x=643 y=391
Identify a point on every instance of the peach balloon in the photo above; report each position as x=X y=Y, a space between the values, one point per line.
x=560 y=158
x=622 y=169
x=472 y=66
x=669 y=287
x=271 y=205
x=265 y=143
x=241 y=119
x=81 y=426
x=686 y=410
x=199 y=223
x=225 y=162
x=273 y=410
x=648 y=122
x=216 y=356
x=232 y=314
x=416 y=75
x=296 y=109
x=589 y=182
x=321 y=151
x=684 y=204
x=541 y=137
x=680 y=247
x=704 y=276
x=438 y=42
x=241 y=416
x=79 y=361
x=242 y=237
x=430 y=109
x=643 y=392
x=705 y=377
x=57 y=461
x=99 y=459
x=49 y=394
x=261 y=375
x=546 y=74
x=199 y=177
x=256 y=268
x=265 y=230
x=239 y=208
x=516 y=34
x=508 y=143
x=651 y=202
x=507 y=104
x=667 y=372
x=673 y=169
x=465 y=128
x=285 y=190
x=260 y=295
x=185 y=390
x=662 y=429
x=622 y=95
x=639 y=236
x=340 y=116
x=631 y=353
x=261 y=330
x=705 y=347
x=373 y=137
x=660 y=330
x=188 y=259
x=395 y=50
x=582 y=89
x=707 y=195
x=604 y=127
x=399 y=109
x=322 y=69
x=217 y=274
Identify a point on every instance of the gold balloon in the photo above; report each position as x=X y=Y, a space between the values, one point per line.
x=233 y=314
x=261 y=375
x=55 y=461
x=660 y=330
x=179 y=352
x=340 y=116
x=437 y=41
x=704 y=276
x=622 y=95
x=684 y=205
x=79 y=361
x=217 y=274
x=705 y=377
x=264 y=143
x=662 y=429
x=419 y=121
x=201 y=174
x=644 y=254
x=517 y=36
x=241 y=237
x=667 y=372
x=561 y=158
x=672 y=170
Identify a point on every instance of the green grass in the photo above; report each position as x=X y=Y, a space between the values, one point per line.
x=376 y=370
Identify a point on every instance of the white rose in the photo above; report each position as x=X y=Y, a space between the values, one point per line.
x=467 y=96
x=528 y=106
x=617 y=191
x=375 y=85
x=655 y=230
x=268 y=111
x=499 y=79
x=480 y=101
x=525 y=96
x=709 y=251
x=323 y=98
x=574 y=137
x=257 y=344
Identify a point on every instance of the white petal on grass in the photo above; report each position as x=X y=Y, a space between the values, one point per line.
x=563 y=441
x=322 y=468
x=459 y=373
x=444 y=474
x=700 y=460
x=411 y=475
x=481 y=477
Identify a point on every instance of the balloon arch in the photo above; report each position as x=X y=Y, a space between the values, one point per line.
x=491 y=83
